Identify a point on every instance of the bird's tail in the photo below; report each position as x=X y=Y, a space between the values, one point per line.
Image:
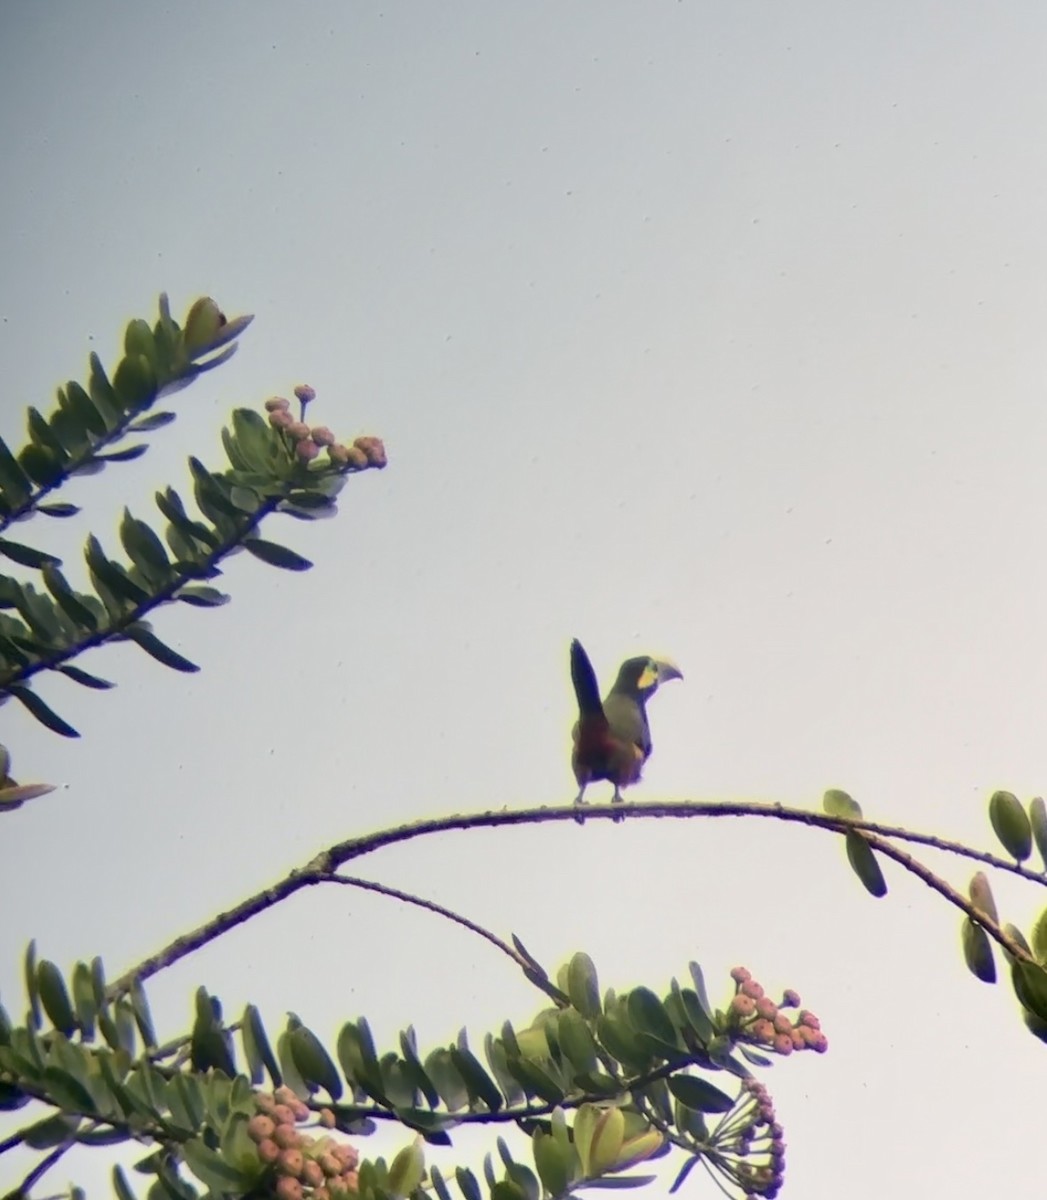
x=583 y=677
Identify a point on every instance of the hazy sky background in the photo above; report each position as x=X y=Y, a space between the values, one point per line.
x=706 y=329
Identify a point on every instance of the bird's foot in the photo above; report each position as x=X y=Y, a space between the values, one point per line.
x=617 y=798
x=578 y=802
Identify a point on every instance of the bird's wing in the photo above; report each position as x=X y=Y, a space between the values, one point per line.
x=627 y=721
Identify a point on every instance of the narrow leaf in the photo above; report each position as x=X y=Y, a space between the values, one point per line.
x=277 y=556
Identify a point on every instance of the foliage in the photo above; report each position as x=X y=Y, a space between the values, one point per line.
x=599 y=1081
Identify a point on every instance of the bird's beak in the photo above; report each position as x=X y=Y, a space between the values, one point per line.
x=667 y=670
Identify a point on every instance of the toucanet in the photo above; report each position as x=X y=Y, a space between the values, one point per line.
x=612 y=739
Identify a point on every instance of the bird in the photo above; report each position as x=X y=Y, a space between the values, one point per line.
x=612 y=739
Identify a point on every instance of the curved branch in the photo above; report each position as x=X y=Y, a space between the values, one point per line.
x=323 y=866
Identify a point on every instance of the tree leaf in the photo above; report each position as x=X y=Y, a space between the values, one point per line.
x=977 y=951
x=84 y=678
x=58 y=509
x=862 y=859
x=27 y=556
x=155 y=648
x=1011 y=824
x=277 y=556
x=128 y=454
x=45 y=715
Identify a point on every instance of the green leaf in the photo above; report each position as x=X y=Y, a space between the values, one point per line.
x=467 y=1184
x=409 y=1050
x=621 y=1041
x=213 y=1171
x=647 y=1013
x=111 y=575
x=839 y=804
x=121 y=1186
x=1039 y=938
x=555 y=1163
x=1038 y=824
x=67 y=1091
x=52 y=1131
x=43 y=435
x=1030 y=986
x=147 y=424
x=84 y=1000
x=583 y=985
x=14 y=483
x=27 y=556
x=276 y=556
x=862 y=859
x=155 y=648
x=201 y=596
x=142 y=1015
x=1011 y=824
x=257 y=1049
x=313 y=1062
x=84 y=678
x=481 y=1086
x=55 y=997
x=39 y=465
x=58 y=509
x=70 y=603
x=144 y=549
x=128 y=454
x=447 y=1079
x=977 y=951
x=46 y=716
x=134 y=381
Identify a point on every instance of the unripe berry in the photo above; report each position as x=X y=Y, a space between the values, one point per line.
x=291 y=1162
x=288 y=1188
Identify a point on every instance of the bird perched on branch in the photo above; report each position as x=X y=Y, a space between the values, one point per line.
x=612 y=739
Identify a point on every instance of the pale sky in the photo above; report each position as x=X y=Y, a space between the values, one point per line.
x=713 y=330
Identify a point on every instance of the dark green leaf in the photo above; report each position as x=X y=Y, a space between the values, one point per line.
x=121 y=1186
x=155 y=648
x=70 y=603
x=467 y=1184
x=143 y=1017
x=862 y=859
x=84 y=678
x=257 y=1049
x=44 y=436
x=1030 y=986
x=68 y=1091
x=40 y=710
x=699 y=1094
x=128 y=454
x=27 y=556
x=1011 y=824
x=144 y=549
x=15 y=484
x=647 y=1013
x=277 y=556
x=58 y=509
x=977 y=952
x=51 y=1131
x=41 y=466
x=481 y=1086
x=55 y=997
x=156 y=420
x=440 y=1067
x=112 y=575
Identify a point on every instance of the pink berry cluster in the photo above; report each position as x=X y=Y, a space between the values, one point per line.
x=308 y=440
x=756 y=1018
x=304 y=1167
x=749 y=1144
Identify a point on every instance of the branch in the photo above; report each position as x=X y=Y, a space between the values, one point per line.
x=322 y=867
